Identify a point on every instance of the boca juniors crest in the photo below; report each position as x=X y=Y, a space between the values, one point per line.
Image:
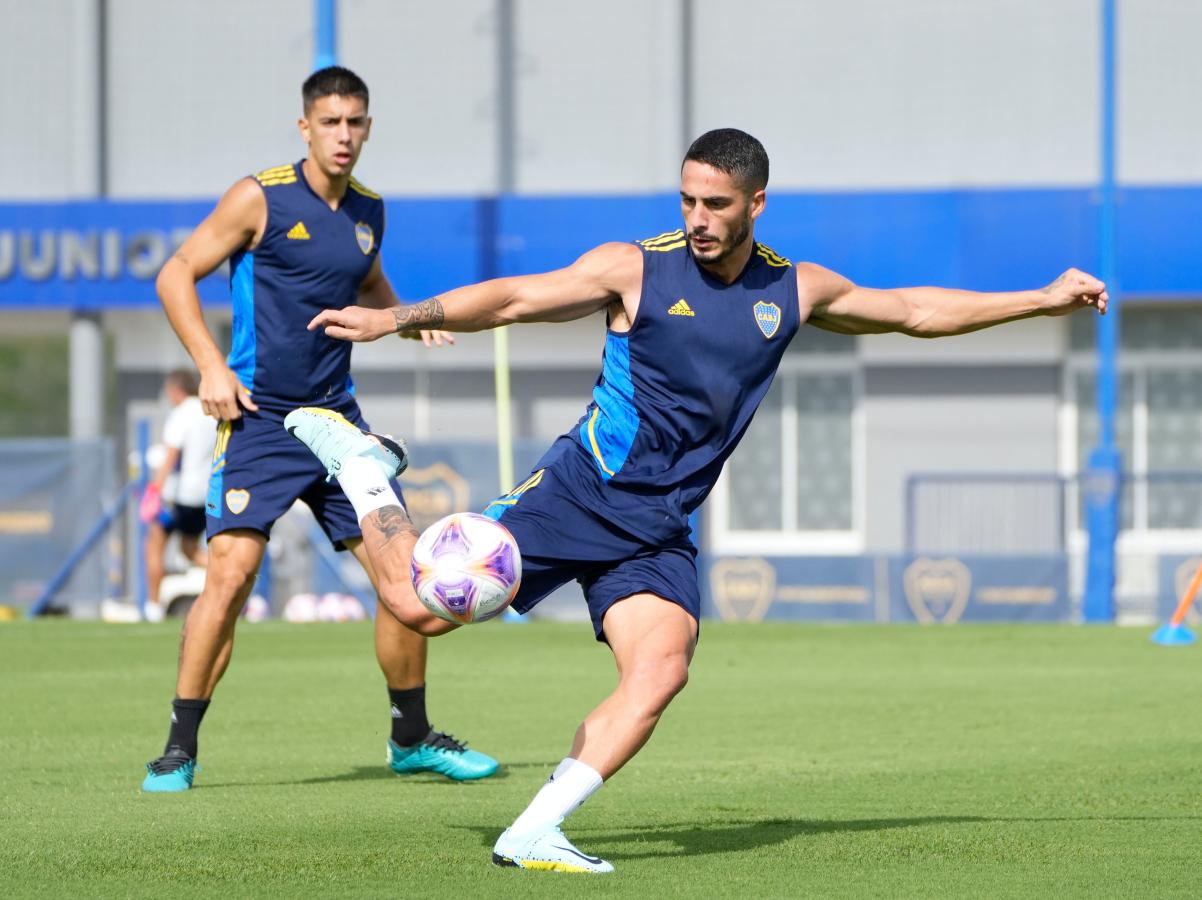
x=237 y=500
x=434 y=492
x=767 y=316
x=937 y=589
x=365 y=236
x=743 y=588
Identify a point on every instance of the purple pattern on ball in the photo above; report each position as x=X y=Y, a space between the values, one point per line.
x=450 y=540
x=478 y=584
x=498 y=565
x=459 y=597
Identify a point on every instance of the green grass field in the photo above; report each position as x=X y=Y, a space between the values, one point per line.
x=801 y=761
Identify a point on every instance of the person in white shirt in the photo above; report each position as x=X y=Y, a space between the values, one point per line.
x=174 y=500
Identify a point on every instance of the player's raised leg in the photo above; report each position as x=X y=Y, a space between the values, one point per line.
x=206 y=646
x=364 y=464
x=652 y=641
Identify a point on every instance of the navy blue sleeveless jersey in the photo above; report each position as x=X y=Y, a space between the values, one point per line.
x=678 y=390
x=311 y=258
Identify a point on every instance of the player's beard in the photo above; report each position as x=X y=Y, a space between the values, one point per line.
x=726 y=248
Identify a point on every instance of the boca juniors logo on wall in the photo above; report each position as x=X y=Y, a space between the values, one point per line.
x=365 y=236
x=434 y=492
x=743 y=588
x=767 y=316
x=937 y=589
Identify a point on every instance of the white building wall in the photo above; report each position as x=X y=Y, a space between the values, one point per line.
x=431 y=69
x=598 y=96
x=202 y=94
x=48 y=53
x=872 y=93
x=865 y=94
x=1159 y=75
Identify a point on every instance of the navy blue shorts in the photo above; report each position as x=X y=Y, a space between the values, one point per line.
x=187 y=520
x=562 y=540
x=260 y=470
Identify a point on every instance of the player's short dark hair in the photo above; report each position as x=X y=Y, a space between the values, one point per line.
x=734 y=152
x=331 y=81
x=185 y=380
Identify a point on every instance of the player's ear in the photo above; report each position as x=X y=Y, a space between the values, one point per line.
x=302 y=125
x=758 y=200
x=367 y=130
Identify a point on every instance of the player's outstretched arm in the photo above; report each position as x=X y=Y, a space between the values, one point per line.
x=832 y=302
x=610 y=273
x=237 y=220
x=375 y=292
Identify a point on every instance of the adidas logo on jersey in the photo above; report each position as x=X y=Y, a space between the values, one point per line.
x=299 y=232
x=680 y=308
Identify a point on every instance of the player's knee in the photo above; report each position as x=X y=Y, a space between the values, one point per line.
x=659 y=680
x=227 y=586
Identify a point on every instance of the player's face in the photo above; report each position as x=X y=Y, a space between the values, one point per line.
x=718 y=214
x=335 y=128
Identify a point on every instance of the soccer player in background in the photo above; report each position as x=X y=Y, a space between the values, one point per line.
x=298 y=237
x=174 y=501
x=698 y=321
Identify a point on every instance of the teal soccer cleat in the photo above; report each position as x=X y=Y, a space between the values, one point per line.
x=170 y=773
x=333 y=438
x=546 y=851
x=441 y=753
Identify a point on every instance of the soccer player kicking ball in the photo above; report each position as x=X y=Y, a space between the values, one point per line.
x=296 y=235
x=699 y=319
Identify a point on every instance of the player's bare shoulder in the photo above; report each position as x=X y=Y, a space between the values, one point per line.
x=617 y=270
x=818 y=286
x=617 y=266
x=240 y=217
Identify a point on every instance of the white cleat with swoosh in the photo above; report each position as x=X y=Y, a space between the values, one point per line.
x=547 y=851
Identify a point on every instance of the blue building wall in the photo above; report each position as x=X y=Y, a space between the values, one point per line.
x=96 y=254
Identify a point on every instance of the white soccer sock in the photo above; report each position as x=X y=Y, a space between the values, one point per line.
x=572 y=783
x=366 y=486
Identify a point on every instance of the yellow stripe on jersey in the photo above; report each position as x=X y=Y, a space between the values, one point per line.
x=592 y=439
x=516 y=494
x=224 y=428
x=771 y=257
x=664 y=248
x=360 y=189
x=663 y=238
x=276 y=175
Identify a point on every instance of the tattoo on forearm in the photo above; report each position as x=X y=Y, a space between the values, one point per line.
x=425 y=315
x=391 y=522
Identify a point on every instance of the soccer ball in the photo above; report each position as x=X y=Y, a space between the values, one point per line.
x=466 y=568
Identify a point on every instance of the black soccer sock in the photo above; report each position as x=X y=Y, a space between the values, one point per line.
x=186 y=716
x=409 y=722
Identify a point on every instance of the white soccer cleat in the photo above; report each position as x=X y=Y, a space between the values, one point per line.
x=547 y=851
x=333 y=439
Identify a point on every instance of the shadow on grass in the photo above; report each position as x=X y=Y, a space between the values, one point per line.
x=380 y=773
x=696 y=839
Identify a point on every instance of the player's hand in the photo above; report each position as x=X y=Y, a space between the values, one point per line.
x=1072 y=291
x=354 y=323
x=152 y=503
x=222 y=395
x=429 y=338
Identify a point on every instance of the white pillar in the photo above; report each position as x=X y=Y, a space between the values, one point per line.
x=87 y=376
